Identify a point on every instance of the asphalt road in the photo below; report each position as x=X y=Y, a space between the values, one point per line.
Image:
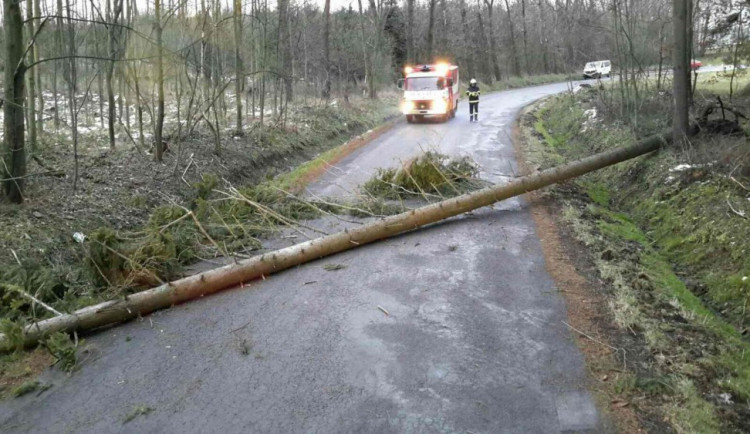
x=473 y=341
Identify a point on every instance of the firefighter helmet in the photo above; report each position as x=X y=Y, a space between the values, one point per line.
x=473 y=81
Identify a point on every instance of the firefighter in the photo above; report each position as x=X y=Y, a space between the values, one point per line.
x=473 y=93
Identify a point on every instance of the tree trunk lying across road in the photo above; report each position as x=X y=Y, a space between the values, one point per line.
x=231 y=275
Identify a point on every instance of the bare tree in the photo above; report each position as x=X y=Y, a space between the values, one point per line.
x=431 y=31
x=285 y=51
x=512 y=41
x=493 y=51
x=681 y=71
x=327 y=50
x=31 y=77
x=114 y=32
x=159 y=127
x=410 y=55
x=72 y=80
x=14 y=160
x=239 y=78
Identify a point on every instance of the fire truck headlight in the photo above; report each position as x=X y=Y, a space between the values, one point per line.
x=440 y=106
x=407 y=106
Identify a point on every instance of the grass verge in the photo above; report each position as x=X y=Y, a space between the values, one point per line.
x=662 y=236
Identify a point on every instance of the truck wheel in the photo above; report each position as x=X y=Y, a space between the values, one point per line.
x=410 y=119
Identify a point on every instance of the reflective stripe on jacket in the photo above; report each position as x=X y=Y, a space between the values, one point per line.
x=473 y=93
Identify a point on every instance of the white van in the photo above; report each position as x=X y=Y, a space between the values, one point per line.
x=598 y=69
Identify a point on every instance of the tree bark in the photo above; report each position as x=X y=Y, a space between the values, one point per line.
x=482 y=43
x=59 y=47
x=430 y=32
x=40 y=90
x=378 y=31
x=114 y=52
x=13 y=108
x=543 y=40
x=369 y=80
x=72 y=80
x=31 y=77
x=410 y=55
x=159 y=128
x=238 y=77
x=469 y=48
x=260 y=266
x=493 y=51
x=285 y=50
x=681 y=79
x=525 y=38
x=513 y=48
x=327 y=49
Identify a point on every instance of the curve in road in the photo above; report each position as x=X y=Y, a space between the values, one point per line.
x=453 y=328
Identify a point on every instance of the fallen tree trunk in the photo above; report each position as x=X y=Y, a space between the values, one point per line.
x=253 y=268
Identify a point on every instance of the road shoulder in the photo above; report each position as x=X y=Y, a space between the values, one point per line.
x=588 y=316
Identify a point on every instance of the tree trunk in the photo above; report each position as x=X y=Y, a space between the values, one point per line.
x=525 y=38
x=493 y=51
x=31 y=77
x=430 y=32
x=469 y=48
x=285 y=48
x=660 y=71
x=363 y=36
x=113 y=36
x=543 y=40
x=59 y=47
x=378 y=29
x=14 y=166
x=410 y=55
x=260 y=266
x=483 y=46
x=72 y=80
x=95 y=69
x=327 y=49
x=681 y=71
x=40 y=90
x=513 y=48
x=158 y=130
x=238 y=77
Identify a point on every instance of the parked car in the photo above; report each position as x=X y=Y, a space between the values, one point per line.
x=598 y=69
x=695 y=64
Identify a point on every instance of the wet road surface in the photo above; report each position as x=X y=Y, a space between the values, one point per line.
x=472 y=342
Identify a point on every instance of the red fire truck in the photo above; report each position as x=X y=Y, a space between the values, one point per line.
x=430 y=90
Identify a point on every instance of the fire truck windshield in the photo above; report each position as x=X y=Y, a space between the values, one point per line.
x=424 y=83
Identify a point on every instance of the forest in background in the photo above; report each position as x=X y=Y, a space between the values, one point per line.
x=152 y=72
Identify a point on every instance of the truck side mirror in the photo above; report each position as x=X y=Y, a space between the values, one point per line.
x=400 y=83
